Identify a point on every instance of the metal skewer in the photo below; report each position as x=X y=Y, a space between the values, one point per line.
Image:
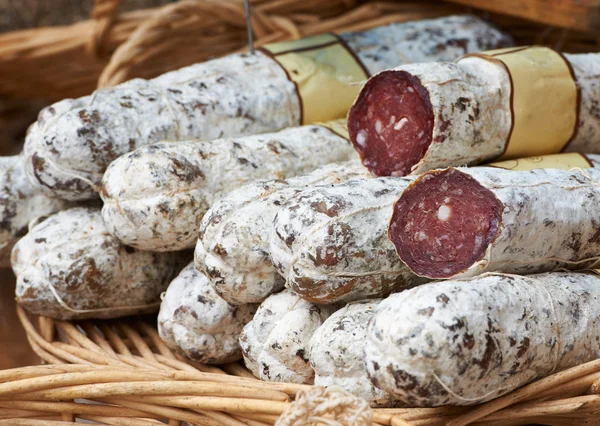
x=249 y=26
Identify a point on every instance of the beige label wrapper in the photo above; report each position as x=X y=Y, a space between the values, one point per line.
x=544 y=100
x=565 y=161
x=324 y=70
x=339 y=127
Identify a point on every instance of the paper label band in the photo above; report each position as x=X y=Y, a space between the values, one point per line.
x=323 y=69
x=544 y=100
x=339 y=127
x=565 y=161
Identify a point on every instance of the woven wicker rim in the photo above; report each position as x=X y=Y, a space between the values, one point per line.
x=103 y=15
x=124 y=365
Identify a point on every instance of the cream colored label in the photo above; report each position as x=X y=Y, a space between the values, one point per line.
x=324 y=71
x=543 y=100
x=565 y=161
x=337 y=126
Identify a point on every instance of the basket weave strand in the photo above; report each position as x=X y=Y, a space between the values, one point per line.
x=103 y=15
x=119 y=372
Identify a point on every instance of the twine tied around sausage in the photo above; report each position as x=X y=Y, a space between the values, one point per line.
x=306 y=235
x=590 y=262
x=118 y=310
x=557 y=348
x=331 y=406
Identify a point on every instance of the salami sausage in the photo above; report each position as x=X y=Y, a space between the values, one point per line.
x=206 y=101
x=20 y=203
x=331 y=243
x=233 y=243
x=463 y=342
x=237 y=95
x=196 y=322
x=69 y=267
x=155 y=197
x=419 y=117
x=463 y=222
x=440 y=39
x=337 y=353
x=275 y=342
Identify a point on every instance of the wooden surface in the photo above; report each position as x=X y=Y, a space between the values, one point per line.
x=581 y=15
x=14 y=349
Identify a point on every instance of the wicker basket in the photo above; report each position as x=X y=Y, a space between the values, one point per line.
x=119 y=372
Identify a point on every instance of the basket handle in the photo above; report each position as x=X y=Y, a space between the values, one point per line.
x=103 y=15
